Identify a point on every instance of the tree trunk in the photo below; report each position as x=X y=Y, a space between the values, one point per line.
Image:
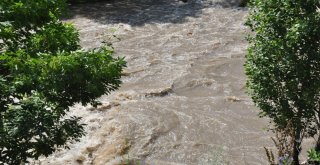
x=296 y=148
x=317 y=146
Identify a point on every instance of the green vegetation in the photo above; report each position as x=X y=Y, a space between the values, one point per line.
x=42 y=73
x=283 y=66
x=314 y=156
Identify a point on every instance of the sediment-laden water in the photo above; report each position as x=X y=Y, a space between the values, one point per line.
x=183 y=98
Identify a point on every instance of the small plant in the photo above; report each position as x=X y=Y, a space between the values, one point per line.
x=270 y=156
x=286 y=159
x=284 y=144
x=313 y=156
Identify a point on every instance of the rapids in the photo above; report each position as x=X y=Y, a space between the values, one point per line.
x=183 y=100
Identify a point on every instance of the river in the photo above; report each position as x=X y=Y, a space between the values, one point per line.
x=183 y=100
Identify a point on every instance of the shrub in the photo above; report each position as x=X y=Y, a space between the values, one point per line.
x=42 y=73
x=283 y=65
x=313 y=156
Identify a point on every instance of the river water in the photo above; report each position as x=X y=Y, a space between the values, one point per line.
x=182 y=101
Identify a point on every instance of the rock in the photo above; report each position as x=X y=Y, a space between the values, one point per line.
x=160 y=92
x=81 y=159
x=233 y=99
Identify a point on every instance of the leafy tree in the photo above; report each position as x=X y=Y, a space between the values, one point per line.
x=283 y=65
x=42 y=73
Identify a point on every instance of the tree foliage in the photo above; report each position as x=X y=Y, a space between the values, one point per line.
x=43 y=72
x=283 y=64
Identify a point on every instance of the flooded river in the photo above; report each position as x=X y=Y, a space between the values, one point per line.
x=182 y=101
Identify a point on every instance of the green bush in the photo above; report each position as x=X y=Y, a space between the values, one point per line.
x=283 y=65
x=43 y=72
x=314 y=156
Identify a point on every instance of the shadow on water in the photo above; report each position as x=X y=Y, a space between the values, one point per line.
x=140 y=12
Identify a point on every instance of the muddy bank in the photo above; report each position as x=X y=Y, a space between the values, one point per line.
x=183 y=96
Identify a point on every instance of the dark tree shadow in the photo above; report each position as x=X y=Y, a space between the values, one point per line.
x=140 y=12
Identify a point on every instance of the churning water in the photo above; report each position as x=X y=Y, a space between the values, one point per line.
x=183 y=98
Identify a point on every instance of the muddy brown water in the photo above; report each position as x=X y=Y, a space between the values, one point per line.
x=182 y=101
